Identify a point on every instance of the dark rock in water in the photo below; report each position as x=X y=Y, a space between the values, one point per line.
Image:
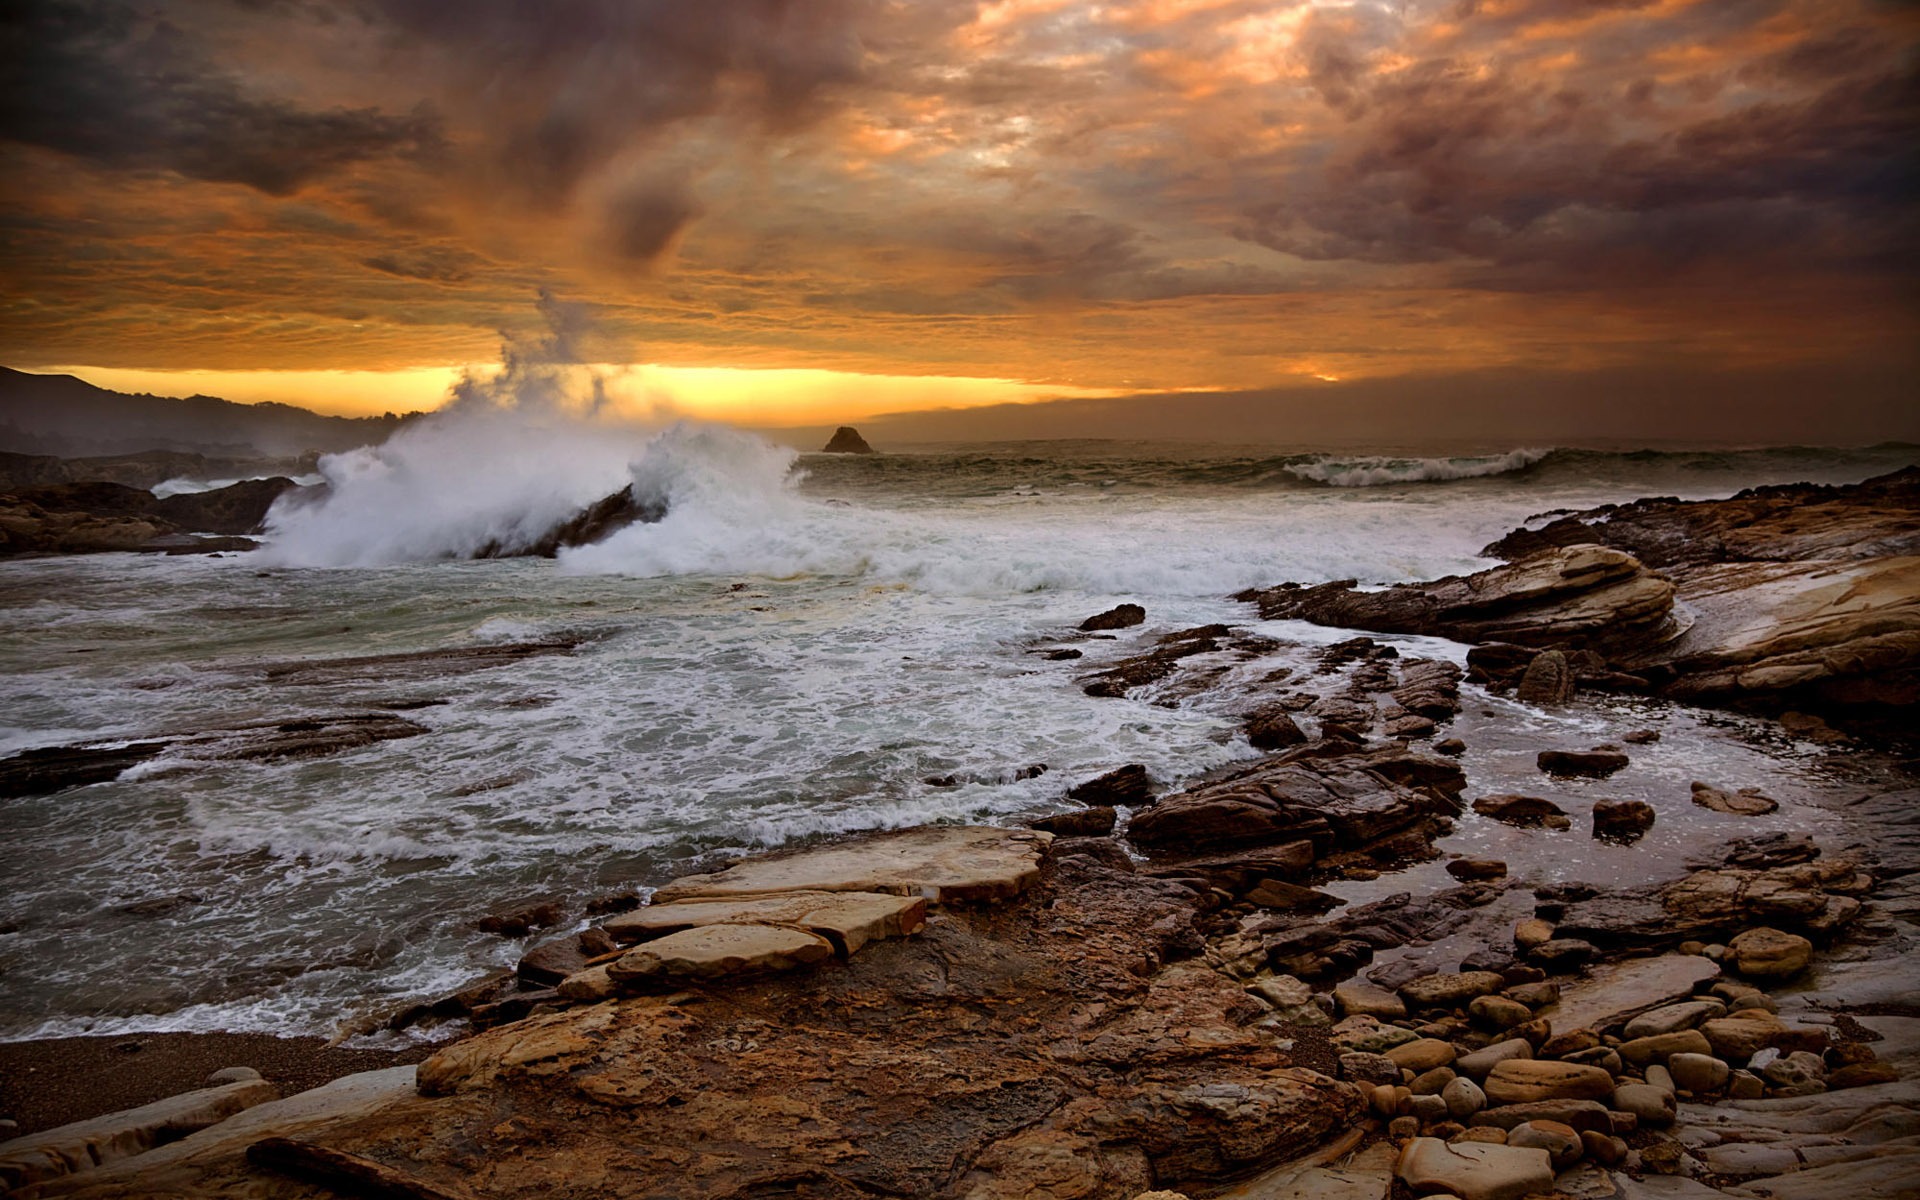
x=550 y=962
x=1340 y=715
x=1452 y=747
x=1409 y=725
x=406 y=665
x=1621 y=820
x=1124 y=787
x=97 y=516
x=521 y=921
x=1429 y=687
x=1523 y=811
x=303 y=738
x=1066 y=655
x=1272 y=728
x=54 y=768
x=160 y=907
x=596 y=522
x=236 y=509
x=1548 y=679
x=1747 y=802
x=1469 y=870
x=1163 y=660
x=1641 y=737
x=1089 y=822
x=846 y=440
x=1121 y=616
x=1594 y=764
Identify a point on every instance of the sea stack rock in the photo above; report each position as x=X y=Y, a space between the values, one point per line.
x=846 y=440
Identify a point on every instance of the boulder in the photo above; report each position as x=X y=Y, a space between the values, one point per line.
x=1522 y=1080
x=1577 y=1114
x=1451 y=989
x=1429 y=687
x=1524 y=811
x=1747 y=802
x=1123 y=787
x=1548 y=679
x=1272 y=727
x=1656 y=1049
x=1121 y=616
x=1474 y=1170
x=1356 y=997
x=945 y=863
x=1480 y=1063
x=1592 y=764
x=1701 y=1074
x=1562 y=1142
x=1621 y=821
x=1473 y=869
x=1743 y=1036
x=1672 y=1018
x=1088 y=822
x=1345 y=803
x=1764 y=953
x=1463 y=1098
x=1422 y=1054
x=1650 y=1105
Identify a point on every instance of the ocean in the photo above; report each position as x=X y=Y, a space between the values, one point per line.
x=805 y=645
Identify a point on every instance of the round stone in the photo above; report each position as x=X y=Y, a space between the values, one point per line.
x=1765 y=953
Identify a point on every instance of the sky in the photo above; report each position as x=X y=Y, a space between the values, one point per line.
x=788 y=212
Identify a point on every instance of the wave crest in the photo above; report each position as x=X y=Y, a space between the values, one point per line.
x=1378 y=471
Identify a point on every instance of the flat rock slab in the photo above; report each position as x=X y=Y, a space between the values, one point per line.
x=1474 y=1170
x=1619 y=991
x=847 y=919
x=85 y=1145
x=937 y=862
x=719 y=951
x=174 y=1169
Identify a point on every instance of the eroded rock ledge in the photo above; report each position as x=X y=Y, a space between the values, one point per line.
x=1030 y=1019
x=1781 y=597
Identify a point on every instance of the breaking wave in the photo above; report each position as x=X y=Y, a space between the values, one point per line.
x=1373 y=471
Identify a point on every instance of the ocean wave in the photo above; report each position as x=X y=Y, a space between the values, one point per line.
x=1375 y=471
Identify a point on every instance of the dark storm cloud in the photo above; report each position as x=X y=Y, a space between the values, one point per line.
x=101 y=82
x=644 y=220
x=436 y=264
x=560 y=88
x=1530 y=175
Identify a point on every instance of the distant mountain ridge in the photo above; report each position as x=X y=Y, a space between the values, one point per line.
x=62 y=415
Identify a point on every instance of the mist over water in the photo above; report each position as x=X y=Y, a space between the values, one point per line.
x=797 y=648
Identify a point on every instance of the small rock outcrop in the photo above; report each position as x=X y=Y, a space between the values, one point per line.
x=846 y=440
x=1580 y=596
x=1120 y=616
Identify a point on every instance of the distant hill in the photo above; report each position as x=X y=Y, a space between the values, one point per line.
x=61 y=415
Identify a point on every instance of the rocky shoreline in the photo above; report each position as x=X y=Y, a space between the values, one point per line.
x=1170 y=993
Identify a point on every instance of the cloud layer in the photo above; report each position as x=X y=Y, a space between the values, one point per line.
x=1148 y=193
